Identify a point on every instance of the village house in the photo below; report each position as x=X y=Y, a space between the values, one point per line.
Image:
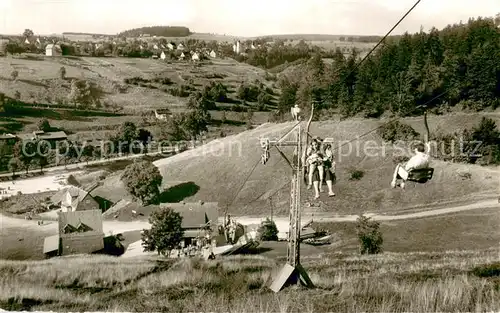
x=79 y=232
x=182 y=56
x=212 y=54
x=163 y=56
x=50 y=137
x=180 y=47
x=195 y=57
x=73 y=199
x=53 y=50
x=198 y=218
x=170 y=46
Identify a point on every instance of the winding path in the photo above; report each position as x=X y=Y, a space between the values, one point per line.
x=281 y=222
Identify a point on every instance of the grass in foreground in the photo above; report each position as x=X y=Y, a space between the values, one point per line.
x=392 y=282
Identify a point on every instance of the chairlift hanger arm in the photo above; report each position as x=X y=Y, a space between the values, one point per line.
x=308 y=126
x=284 y=157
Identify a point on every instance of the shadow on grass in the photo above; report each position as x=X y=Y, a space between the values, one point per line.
x=179 y=192
x=256 y=250
x=112 y=246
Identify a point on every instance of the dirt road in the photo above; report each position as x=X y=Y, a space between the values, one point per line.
x=281 y=222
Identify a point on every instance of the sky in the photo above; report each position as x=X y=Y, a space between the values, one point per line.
x=237 y=17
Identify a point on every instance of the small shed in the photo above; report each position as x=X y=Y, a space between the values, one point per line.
x=53 y=50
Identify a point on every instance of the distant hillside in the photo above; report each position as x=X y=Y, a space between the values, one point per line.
x=85 y=34
x=160 y=31
x=323 y=37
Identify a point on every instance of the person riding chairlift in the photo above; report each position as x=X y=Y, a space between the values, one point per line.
x=314 y=160
x=328 y=173
x=419 y=161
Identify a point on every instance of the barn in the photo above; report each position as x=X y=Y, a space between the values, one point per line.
x=80 y=232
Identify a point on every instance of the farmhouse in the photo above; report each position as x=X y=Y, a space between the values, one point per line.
x=79 y=232
x=195 y=56
x=73 y=199
x=180 y=47
x=198 y=218
x=163 y=56
x=182 y=56
x=53 y=50
x=213 y=54
x=50 y=137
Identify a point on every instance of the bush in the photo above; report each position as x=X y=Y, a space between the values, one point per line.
x=369 y=235
x=487 y=270
x=267 y=231
x=400 y=159
x=14 y=74
x=356 y=174
x=396 y=130
x=479 y=144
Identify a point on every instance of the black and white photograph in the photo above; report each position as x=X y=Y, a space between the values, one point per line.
x=250 y=156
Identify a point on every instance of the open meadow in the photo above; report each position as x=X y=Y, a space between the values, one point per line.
x=39 y=82
x=391 y=282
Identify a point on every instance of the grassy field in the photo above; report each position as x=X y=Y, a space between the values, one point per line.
x=39 y=82
x=390 y=282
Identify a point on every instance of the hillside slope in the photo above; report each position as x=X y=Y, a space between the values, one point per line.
x=219 y=170
x=39 y=80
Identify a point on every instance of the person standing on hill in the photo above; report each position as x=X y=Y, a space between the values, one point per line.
x=296 y=113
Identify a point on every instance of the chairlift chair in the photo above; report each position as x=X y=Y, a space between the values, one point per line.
x=423 y=175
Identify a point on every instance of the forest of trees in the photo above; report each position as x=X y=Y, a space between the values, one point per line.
x=459 y=65
x=160 y=31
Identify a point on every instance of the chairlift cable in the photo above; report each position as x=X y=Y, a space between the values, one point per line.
x=250 y=174
x=391 y=121
x=355 y=67
x=379 y=43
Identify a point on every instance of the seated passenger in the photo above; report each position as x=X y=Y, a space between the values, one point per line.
x=419 y=161
x=329 y=165
x=314 y=160
x=328 y=172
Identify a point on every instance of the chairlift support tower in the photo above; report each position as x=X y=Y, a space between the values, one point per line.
x=292 y=272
